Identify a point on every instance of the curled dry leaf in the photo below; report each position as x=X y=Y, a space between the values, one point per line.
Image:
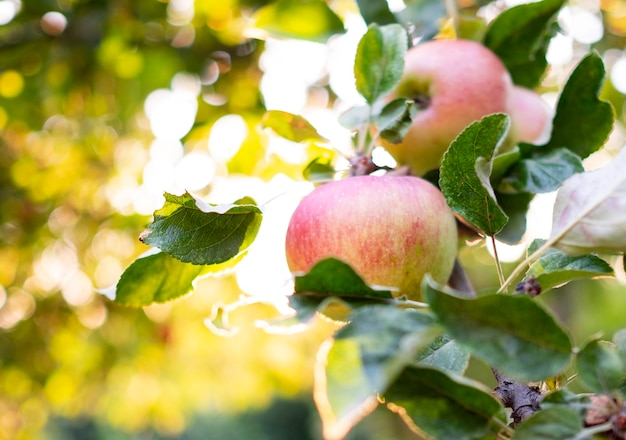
x=590 y=211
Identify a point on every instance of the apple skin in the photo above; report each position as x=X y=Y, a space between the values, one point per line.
x=454 y=83
x=531 y=117
x=391 y=230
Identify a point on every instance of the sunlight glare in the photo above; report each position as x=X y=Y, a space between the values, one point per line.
x=618 y=74
x=227 y=135
x=583 y=25
x=290 y=67
x=560 y=50
x=194 y=171
x=171 y=113
x=8 y=10
x=264 y=271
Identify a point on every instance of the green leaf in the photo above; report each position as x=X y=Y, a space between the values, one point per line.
x=619 y=339
x=198 y=233
x=319 y=169
x=520 y=37
x=307 y=306
x=292 y=127
x=543 y=172
x=583 y=122
x=379 y=60
x=515 y=206
x=422 y=17
x=600 y=366
x=156 y=278
x=502 y=162
x=444 y=407
x=555 y=268
x=334 y=277
x=465 y=173
x=395 y=120
x=376 y=11
x=556 y=423
x=513 y=334
x=564 y=397
x=309 y=20
x=444 y=354
x=356 y=117
x=365 y=358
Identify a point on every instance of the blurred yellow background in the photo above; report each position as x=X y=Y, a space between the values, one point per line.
x=105 y=105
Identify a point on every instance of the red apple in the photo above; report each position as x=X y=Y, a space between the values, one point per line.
x=531 y=116
x=453 y=83
x=391 y=230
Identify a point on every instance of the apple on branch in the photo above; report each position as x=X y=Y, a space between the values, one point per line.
x=531 y=117
x=453 y=83
x=392 y=230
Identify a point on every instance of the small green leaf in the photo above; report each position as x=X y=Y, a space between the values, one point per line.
x=422 y=17
x=619 y=339
x=556 y=423
x=520 y=37
x=583 y=122
x=444 y=354
x=515 y=206
x=319 y=169
x=155 y=278
x=379 y=60
x=395 y=120
x=365 y=358
x=502 y=162
x=543 y=172
x=563 y=397
x=513 y=334
x=445 y=407
x=376 y=11
x=356 y=117
x=334 y=277
x=292 y=127
x=465 y=173
x=309 y=20
x=600 y=366
x=555 y=268
x=198 y=233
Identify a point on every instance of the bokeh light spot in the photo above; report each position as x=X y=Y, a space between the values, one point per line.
x=11 y=84
x=8 y=10
x=226 y=137
x=53 y=23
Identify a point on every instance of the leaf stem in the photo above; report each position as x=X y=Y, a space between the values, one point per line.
x=497 y=260
x=535 y=256
x=587 y=432
x=363 y=132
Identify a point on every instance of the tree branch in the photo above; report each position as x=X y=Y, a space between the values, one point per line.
x=523 y=399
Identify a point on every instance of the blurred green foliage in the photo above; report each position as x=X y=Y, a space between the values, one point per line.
x=74 y=141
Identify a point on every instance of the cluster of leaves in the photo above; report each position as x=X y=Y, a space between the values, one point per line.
x=413 y=356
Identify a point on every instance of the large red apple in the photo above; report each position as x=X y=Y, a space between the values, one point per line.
x=453 y=83
x=391 y=229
